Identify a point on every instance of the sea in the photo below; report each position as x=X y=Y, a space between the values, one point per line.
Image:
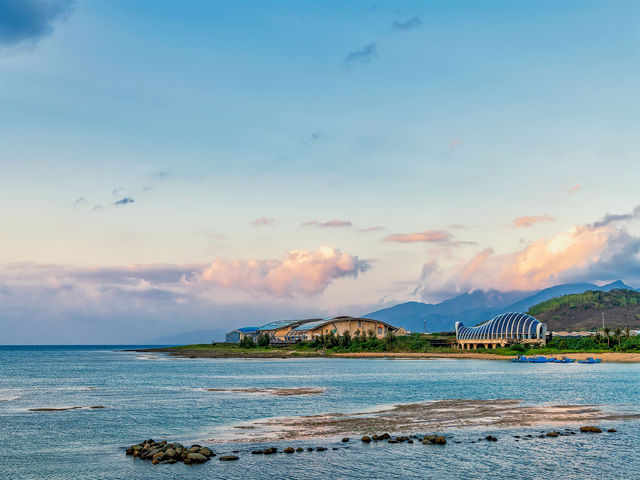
x=147 y=395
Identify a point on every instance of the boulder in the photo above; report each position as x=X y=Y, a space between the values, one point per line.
x=194 y=449
x=366 y=439
x=228 y=458
x=440 y=440
x=385 y=436
x=491 y=438
x=590 y=429
x=170 y=452
x=392 y=441
x=257 y=452
x=612 y=430
x=553 y=434
x=289 y=450
x=159 y=456
x=197 y=458
x=206 y=452
x=309 y=449
x=299 y=449
x=345 y=439
x=321 y=449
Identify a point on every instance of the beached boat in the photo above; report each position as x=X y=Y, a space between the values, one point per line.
x=520 y=359
x=564 y=360
x=590 y=360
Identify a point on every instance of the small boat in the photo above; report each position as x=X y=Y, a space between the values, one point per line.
x=520 y=359
x=590 y=360
x=539 y=359
x=564 y=360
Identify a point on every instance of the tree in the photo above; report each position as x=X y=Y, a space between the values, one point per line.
x=607 y=332
x=247 y=342
x=264 y=340
x=390 y=338
x=627 y=332
x=371 y=334
x=618 y=333
x=345 y=340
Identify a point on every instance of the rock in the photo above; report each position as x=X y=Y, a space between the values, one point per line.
x=228 y=458
x=409 y=441
x=205 y=451
x=491 y=438
x=197 y=458
x=516 y=436
x=392 y=441
x=321 y=449
x=309 y=449
x=170 y=452
x=612 y=430
x=334 y=448
x=270 y=450
x=194 y=449
x=366 y=439
x=345 y=439
x=129 y=451
x=430 y=438
x=257 y=452
x=552 y=434
x=385 y=436
x=440 y=440
x=299 y=449
x=289 y=450
x=590 y=429
x=375 y=438
x=150 y=453
x=401 y=439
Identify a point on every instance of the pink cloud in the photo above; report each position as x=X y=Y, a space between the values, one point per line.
x=330 y=224
x=574 y=189
x=263 y=221
x=429 y=236
x=527 y=221
x=602 y=251
x=299 y=272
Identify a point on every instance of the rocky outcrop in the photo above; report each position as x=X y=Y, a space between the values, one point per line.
x=164 y=452
x=590 y=429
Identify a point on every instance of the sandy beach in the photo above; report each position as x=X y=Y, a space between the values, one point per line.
x=205 y=353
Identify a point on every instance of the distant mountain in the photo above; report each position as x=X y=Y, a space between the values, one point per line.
x=475 y=307
x=583 y=311
x=189 y=338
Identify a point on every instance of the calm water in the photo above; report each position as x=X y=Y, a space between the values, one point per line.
x=164 y=397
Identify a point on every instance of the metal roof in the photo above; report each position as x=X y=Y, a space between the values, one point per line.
x=506 y=325
x=247 y=329
x=284 y=323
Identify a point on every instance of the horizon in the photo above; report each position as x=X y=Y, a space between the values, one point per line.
x=163 y=176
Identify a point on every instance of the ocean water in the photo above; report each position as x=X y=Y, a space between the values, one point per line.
x=159 y=397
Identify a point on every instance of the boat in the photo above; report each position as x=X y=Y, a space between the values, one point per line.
x=520 y=359
x=590 y=360
x=540 y=359
x=564 y=360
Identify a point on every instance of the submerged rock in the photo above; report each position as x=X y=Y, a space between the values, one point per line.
x=289 y=450
x=366 y=439
x=491 y=438
x=345 y=439
x=590 y=429
x=612 y=430
x=229 y=458
x=552 y=434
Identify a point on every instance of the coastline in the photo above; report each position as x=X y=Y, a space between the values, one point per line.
x=614 y=357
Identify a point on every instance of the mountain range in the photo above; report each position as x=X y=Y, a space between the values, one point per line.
x=476 y=307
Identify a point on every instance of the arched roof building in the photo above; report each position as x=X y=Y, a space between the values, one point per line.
x=513 y=327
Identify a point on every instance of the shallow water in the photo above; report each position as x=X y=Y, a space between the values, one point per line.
x=153 y=396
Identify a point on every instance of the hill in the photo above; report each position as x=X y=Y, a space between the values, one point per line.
x=476 y=307
x=584 y=311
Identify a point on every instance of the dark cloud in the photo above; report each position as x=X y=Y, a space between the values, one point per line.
x=413 y=22
x=124 y=201
x=610 y=218
x=30 y=20
x=365 y=55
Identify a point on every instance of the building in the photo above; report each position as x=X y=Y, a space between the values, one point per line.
x=501 y=331
x=234 y=336
x=294 y=331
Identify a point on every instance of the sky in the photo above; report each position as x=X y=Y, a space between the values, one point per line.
x=169 y=166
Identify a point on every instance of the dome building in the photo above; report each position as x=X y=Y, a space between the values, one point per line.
x=502 y=330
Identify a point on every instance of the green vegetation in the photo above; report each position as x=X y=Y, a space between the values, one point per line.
x=589 y=300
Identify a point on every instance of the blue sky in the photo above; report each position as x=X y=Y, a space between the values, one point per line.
x=459 y=145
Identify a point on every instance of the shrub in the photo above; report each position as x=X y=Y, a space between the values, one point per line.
x=263 y=340
x=247 y=342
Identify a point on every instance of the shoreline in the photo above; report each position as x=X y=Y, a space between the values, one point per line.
x=611 y=357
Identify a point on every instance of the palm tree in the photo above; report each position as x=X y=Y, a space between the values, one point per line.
x=618 y=333
x=607 y=331
x=627 y=332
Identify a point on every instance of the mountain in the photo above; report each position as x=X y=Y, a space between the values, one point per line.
x=621 y=308
x=476 y=307
x=189 y=338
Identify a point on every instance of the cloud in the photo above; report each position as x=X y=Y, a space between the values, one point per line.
x=429 y=236
x=160 y=174
x=590 y=253
x=124 y=201
x=527 y=221
x=609 y=218
x=80 y=201
x=413 y=22
x=455 y=144
x=371 y=229
x=263 y=221
x=23 y=21
x=299 y=272
x=574 y=189
x=366 y=54
x=330 y=224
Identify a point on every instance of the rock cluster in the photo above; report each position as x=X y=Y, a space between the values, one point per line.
x=426 y=440
x=164 y=452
